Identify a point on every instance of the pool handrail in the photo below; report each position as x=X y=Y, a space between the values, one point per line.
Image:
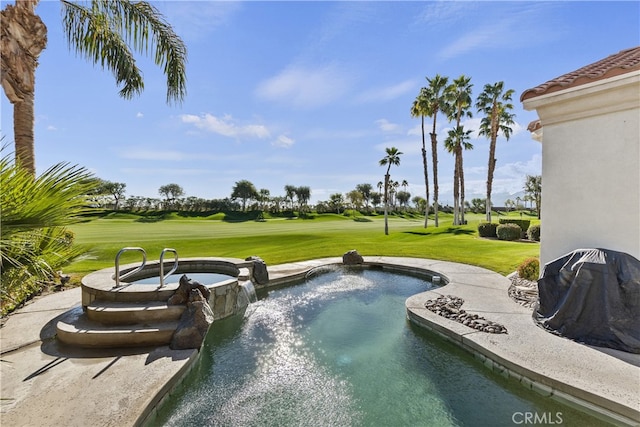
x=173 y=269
x=130 y=273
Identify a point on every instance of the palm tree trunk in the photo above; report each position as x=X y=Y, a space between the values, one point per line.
x=23 y=120
x=456 y=191
x=461 y=176
x=23 y=36
x=491 y=169
x=386 y=204
x=434 y=155
x=426 y=176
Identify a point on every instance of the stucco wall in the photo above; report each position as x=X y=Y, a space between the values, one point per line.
x=590 y=167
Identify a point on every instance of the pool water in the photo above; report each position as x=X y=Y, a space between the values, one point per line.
x=204 y=278
x=337 y=350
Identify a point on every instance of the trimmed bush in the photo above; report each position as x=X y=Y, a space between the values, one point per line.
x=509 y=232
x=487 y=229
x=534 y=232
x=529 y=269
x=522 y=223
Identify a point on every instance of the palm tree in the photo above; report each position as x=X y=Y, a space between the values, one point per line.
x=533 y=188
x=436 y=103
x=495 y=103
x=105 y=33
x=290 y=191
x=34 y=241
x=458 y=96
x=458 y=139
x=392 y=158
x=419 y=109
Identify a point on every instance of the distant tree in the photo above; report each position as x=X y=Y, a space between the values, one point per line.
x=263 y=195
x=103 y=32
x=290 y=193
x=509 y=204
x=533 y=188
x=303 y=194
x=458 y=96
x=170 y=192
x=244 y=190
x=336 y=202
x=356 y=199
x=392 y=158
x=115 y=189
x=420 y=203
x=365 y=190
x=494 y=103
x=476 y=205
x=376 y=199
x=403 y=198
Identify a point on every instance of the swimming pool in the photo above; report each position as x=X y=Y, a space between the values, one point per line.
x=337 y=350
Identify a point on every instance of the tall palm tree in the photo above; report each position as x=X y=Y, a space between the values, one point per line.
x=392 y=158
x=456 y=140
x=458 y=96
x=105 y=33
x=494 y=103
x=436 y=102
x=419 y=109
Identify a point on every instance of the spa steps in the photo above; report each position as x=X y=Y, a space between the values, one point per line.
x=121 y=324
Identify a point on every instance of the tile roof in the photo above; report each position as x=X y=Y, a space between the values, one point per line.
x=622 y=62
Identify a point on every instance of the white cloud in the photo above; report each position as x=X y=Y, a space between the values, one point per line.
x=225 y=126
x=305 y=87
x=139 y=115
x=151 y=154
x=283 y=141
x=386 y=126
x=387 y=93
x=197 y=20
x=52 y=128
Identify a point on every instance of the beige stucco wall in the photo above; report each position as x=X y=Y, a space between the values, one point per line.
x=590 y=167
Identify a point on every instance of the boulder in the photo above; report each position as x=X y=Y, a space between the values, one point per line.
x=352 y=257
x=194 y=323
x=184 y=290
x=259 y=273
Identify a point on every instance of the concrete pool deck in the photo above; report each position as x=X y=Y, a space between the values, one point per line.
x=43 y=383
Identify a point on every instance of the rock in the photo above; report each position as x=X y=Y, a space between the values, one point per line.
x=184 y=291
x=194 y=323
x=352 y=257
x=259 y=273
x=449 y=307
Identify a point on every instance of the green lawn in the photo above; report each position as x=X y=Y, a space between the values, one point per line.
x=280 y=240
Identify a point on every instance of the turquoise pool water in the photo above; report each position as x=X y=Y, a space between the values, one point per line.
x=337 y=350
x=204 y=278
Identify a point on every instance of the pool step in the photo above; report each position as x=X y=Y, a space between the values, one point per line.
x=83 y=332
x=123 y=313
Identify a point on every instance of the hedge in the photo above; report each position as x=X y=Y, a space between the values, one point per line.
x=487 y=229
x=534 y=232
x=522 y=223
x=509 y=232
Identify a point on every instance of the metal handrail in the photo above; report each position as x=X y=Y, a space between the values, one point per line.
x=173 y=269
x=124 y=276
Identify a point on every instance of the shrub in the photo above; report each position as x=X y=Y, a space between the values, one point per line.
x=509 y=232
x=534 y=232
x=522 y=223
x=487 y=229
x=529 y=269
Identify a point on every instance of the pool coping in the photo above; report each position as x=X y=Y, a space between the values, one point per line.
x=45 y=385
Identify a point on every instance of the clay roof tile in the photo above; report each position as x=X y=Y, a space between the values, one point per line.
x=622 y=62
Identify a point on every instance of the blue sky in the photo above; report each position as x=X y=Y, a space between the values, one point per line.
x=311 y=93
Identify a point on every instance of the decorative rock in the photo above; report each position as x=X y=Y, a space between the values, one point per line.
x=352 y=257
x=194 y=323
x=449 y=307
x=259 y=273
x=184 y=291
